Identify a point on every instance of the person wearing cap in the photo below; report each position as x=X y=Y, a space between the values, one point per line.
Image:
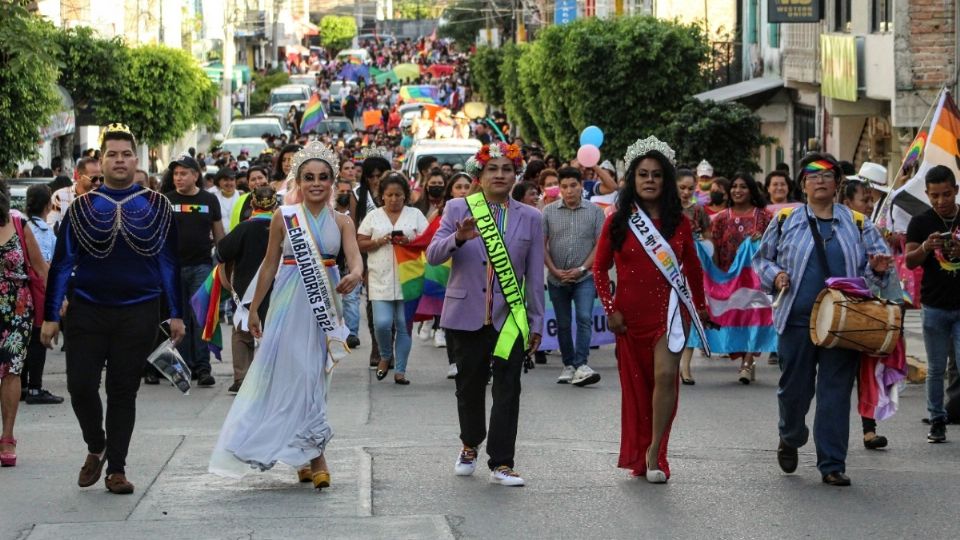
x=225 y=190
x=704 y=182
x=198 y=219
x=800 y=249
x=875 y=175
x=243 y=249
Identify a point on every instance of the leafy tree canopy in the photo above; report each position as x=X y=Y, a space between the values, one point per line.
x=336 y=32
x=28 y=73
x=91 y=68
x=462 y=20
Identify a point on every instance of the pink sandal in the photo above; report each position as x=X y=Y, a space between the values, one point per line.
x=8 y=459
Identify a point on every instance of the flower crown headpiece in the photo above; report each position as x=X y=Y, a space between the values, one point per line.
x=315 y=150
x=645 y=146
x=373 y=151
x=495 y=150
x=115 y=128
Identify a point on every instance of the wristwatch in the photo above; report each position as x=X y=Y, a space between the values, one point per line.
x=582 y=270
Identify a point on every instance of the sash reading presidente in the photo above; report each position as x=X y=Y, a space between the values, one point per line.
x=316 y=282
x=516 y=324
x=663 y=257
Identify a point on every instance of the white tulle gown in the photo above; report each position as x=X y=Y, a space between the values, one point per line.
x=280 y=413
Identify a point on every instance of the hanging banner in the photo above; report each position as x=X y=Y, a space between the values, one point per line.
x=794 y=11
x=601 y=332
x=838 y=66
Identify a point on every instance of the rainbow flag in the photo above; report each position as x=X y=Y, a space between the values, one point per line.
x=423 y=285
x=206 y=307
x=424 y=93
x=312 y=115
x=738 y=304
x=913 y=153
x=940 y=146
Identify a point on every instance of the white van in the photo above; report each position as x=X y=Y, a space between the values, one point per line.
x=450 y=151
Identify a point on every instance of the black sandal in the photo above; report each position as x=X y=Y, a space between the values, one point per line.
x=876 y=443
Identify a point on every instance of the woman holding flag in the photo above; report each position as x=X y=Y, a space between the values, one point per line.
x=734 y=232
x=279 y=414
x=393 y=224
x=650 y=241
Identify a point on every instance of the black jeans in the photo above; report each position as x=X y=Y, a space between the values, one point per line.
x=473 y=351
x=36 y=360
x=122 y=338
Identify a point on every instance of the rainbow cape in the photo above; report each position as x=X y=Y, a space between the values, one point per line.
x=423 y=285
x=738 y=304
x=420 y=94
x=312 y=115
x=206 y=307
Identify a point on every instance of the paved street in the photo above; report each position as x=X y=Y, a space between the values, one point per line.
x=392 y=456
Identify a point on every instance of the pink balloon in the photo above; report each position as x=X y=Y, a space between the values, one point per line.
x=588 y=155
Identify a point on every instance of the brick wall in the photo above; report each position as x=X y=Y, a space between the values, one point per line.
x=932 y=42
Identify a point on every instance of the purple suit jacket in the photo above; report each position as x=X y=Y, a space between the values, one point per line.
x=463 y=305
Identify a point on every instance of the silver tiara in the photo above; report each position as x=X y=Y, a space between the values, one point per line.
x=374 y=151
x=645 y=146
x=315 y=150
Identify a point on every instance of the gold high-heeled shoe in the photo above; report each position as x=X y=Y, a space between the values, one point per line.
x=304 y=474
x=321 y=479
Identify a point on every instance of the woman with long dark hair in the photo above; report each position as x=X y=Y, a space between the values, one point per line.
x=648 y=238
x=281 y=168
x=363 y=203
x=745 y=219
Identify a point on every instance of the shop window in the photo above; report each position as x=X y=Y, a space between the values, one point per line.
x=842 y=16
x=881 y=15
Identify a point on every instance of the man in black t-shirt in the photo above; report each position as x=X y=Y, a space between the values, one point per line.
x=933 y=241
x=197 y=215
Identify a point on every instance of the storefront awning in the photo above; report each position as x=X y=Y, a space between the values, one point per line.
x=64 y=121
x=741 y=90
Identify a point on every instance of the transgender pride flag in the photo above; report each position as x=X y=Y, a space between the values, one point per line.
x=738 y=304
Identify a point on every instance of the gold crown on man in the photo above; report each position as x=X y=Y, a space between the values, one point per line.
x=116 y=127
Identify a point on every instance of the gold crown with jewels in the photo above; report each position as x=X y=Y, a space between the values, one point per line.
x=115 y=128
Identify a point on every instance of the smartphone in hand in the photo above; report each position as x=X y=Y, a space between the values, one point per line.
x=396 y=236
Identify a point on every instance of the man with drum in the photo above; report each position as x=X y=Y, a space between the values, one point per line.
x=800 y=249
x=932 y=242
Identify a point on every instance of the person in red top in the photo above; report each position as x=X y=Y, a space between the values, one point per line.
x=745 y=219
x=648 y=349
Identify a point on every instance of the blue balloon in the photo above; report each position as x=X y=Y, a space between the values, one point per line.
x=591 y=135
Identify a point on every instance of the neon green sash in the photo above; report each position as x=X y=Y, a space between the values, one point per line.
x=515 y=325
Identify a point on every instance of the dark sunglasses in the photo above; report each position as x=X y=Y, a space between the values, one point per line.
x=95 y=179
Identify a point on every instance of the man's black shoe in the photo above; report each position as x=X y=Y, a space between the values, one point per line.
x=353 y=341
x=836 y=479
x=150 y=377
x=204 y=378
x=787 y=457
x=938 y=432
x=42 y=397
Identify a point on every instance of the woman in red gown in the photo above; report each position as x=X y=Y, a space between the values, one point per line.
x=638 y=312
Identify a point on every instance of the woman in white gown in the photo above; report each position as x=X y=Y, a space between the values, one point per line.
x=280 y=414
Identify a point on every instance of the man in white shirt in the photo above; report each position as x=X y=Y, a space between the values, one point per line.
x=227 y=194
x=88 y=177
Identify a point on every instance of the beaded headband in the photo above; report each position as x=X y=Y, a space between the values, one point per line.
x=495 y=150
x=645 y=146
x=315 y=150
x=115 y=128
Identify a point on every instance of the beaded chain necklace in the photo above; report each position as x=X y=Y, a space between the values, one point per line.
x=145 y=239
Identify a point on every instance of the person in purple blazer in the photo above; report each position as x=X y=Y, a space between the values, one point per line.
x=476 y=313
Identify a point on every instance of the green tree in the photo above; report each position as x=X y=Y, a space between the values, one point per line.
x=28 y=73
x=336 y=32
x=164 y=94
x=462 y=20
x=90 y=70
x=260 y=98
x=485 y=74
x=415 y=9
x=725 y=134
x=512 y=92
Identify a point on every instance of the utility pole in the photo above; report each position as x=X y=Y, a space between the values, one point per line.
x=229 y=53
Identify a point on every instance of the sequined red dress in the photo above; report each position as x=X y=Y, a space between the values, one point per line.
x=642 y=297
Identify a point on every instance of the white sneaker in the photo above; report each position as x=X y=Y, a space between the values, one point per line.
x=439 y=339
x=566 y=375
x=452 y=372
x=426 y=332
x=505 y=476
x=584 y=376
x=466 y=462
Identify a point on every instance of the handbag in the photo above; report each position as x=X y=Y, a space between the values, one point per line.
x=38 y=287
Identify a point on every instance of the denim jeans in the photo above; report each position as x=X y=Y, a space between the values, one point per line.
x=808 y=370
x=581 y=295
x=941 y=336
x=192 y=348
x=351 y=310
x=387 y=315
